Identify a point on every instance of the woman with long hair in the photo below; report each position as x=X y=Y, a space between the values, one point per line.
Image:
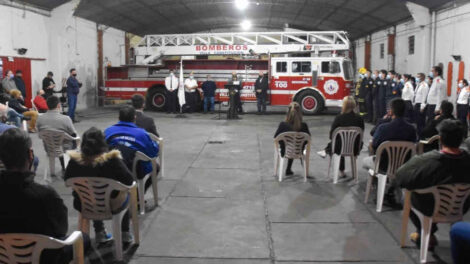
x=16 y=103
x=292 y=123
x=347 y=118
x=94 y=160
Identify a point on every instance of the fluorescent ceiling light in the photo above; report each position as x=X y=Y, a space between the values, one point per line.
x=245 y=24
x=241 y=4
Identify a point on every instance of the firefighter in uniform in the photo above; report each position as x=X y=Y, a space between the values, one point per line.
x=367 y=83
x=360 y=96
x=382 y=84
x=374 y=94
x=437 y=93
x=392 y=86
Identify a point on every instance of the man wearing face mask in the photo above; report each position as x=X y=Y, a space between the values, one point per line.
x=73 y=88
x=190 y=86
x=437 y=93
x=382 y=84
x=236 y=82
x=20 y=83
x=171 y=84
x=368 y=86
x=8 y=83
x=462 y=103
x=361 y=93
x=374 y=94
x=261 y=90
x=421 y=93
x=390 y=87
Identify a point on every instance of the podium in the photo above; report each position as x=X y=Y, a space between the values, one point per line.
x=233 y=90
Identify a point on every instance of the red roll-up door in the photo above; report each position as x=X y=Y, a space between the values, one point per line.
x=450 y=74
x=24 y=65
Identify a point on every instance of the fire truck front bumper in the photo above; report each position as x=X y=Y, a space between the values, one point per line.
x=333 y=103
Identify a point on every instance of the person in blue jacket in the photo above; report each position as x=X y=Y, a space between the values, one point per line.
x=73 y=88
x=127 y=137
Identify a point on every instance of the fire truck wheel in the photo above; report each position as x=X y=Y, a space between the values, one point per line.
x=311 y=102
x=156 y=99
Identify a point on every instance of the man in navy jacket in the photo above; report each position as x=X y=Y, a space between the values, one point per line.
x=73 y=88
x=128 y=138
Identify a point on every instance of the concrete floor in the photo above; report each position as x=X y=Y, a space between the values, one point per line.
x=220 y=201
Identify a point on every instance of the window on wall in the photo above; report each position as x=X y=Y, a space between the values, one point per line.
x=411 y=45
x=382 y=50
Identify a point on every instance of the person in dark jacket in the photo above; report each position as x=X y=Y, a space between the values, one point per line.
x=347 y=118
x=382 y=86
x=261 y=90
x=445 y=112
x=16 y=103
x=94 y=160
x=293 y=123
x=20 y=83
x=48 y=85
x=208 y=89
x=73 y=89
x=450 y=165
x=26 y=206
x=142 y=120
x=127 y=137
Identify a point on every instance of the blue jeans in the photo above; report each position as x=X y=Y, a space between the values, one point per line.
x=72 y=102
x=208 y=100
x=14 y=117
x=460 y=242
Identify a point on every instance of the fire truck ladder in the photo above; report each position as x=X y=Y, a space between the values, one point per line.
x=153 y=47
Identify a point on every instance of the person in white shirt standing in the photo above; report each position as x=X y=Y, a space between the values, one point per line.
x=190 y=87
x=407 y=94
x=172 y=84
x=462 y=103
x=421 y=93
x=436 y=94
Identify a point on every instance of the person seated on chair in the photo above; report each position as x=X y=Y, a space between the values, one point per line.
x=293 y=123
x=94 y=160
x=397 y=129
x=12 y=116
x=445 y=112
x=127 y=137
x=53 y=119
x=450 y=165
x=3 y=118
x=347 y=118
x=142 y=120
x=26 y=206
x=17 y=103
x=40 y=101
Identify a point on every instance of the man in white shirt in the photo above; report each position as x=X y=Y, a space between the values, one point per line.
x=190 y=87
x=420 y=101
x=437 y=93
x=171 y=84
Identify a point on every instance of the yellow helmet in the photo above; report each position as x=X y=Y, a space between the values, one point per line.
x=362 y=70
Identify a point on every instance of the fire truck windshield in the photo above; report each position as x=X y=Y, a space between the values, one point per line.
x=348 y=70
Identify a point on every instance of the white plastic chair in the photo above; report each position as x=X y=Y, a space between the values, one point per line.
x=53 y=145
x=428 y=141
x=139 y=156
x=397 y=152
x=449 y=200
x=95 y=197
x=159 y=140
x=27 y=248
x=294 y=149
x=348 y=136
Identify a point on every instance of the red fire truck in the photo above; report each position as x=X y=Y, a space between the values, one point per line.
x=311 y=68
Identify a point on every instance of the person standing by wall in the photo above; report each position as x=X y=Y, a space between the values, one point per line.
x=171 y=84
x=208 y=88
x=436 y=94
x=20 y=83
x=48 y=85
x=382 y=85
x=420 y=102
x=374 y=94
x=8 y=82
x=190 y=86
x=261 y=89
x=407 y=95
x=236 y=82
x=73 y=89
x=462 y=104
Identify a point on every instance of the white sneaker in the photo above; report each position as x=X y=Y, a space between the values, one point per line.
x=322 y=153
x=127 y=237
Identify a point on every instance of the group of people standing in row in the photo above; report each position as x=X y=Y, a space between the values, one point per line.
x=422 y=94
x=207 y=92
x=13 y=94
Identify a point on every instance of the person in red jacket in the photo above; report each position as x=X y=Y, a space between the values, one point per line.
x=40 y=102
